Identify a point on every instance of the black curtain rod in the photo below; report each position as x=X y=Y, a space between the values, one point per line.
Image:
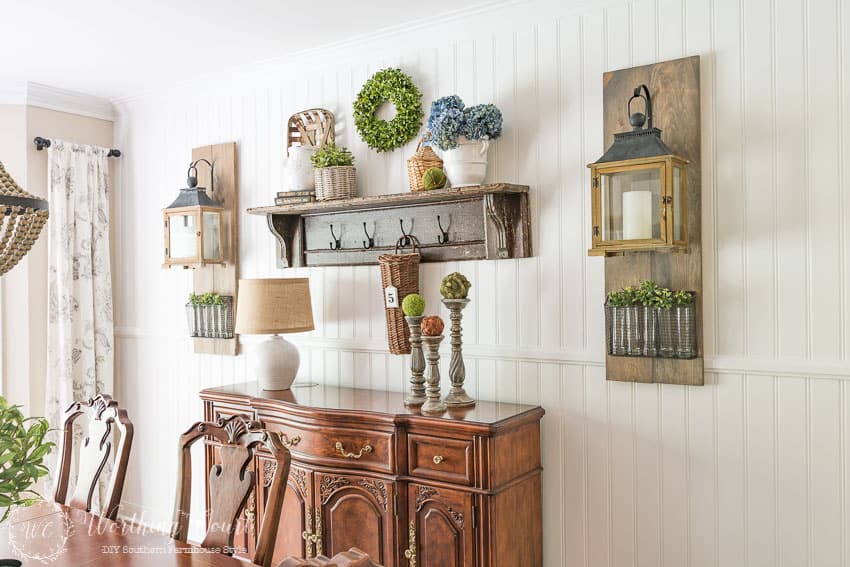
x=41 y=143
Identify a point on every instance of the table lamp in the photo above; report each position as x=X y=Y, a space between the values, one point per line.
x=272 y=307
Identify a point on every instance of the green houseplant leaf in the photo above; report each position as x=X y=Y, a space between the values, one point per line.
x=22 y=451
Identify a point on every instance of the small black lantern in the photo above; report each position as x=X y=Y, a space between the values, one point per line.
x=193 y=225
x=638 y=189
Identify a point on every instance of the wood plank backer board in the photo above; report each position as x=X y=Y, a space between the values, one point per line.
x=675 y=90
x=222 y=279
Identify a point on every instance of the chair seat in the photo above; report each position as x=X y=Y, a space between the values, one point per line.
x=351 y=558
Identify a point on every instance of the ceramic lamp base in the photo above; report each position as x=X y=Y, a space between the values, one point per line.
x=275 y=363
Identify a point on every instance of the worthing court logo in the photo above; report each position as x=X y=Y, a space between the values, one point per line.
x=41 y=539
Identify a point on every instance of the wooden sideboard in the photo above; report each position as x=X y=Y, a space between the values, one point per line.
x=460 y=490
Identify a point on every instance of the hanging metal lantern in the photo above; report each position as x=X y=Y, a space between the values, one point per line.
x=23 y=217
x=193 y=225
x=638 y=190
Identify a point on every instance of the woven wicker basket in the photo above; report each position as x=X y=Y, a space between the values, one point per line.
x=402 y=272
x=335 y=182
x=423 y=160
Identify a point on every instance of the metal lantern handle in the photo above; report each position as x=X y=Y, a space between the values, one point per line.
x=637 y=120
x=192 y=180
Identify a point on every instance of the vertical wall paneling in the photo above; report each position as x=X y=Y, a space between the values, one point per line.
x=750 y=469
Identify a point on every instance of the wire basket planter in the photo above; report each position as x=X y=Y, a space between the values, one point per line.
x=211 y=321
x=638 y=330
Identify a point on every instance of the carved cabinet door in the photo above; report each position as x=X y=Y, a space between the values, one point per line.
x=356 y=511
x=440 y=533
x=296 y=533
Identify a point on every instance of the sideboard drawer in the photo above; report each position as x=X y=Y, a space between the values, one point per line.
x=336 y=446
x=438 y=458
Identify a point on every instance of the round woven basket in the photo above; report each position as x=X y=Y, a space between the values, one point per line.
x=400 y=270
x=335 y=182
x=423 y=160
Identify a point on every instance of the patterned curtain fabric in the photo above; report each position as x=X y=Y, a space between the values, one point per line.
x=80 y=334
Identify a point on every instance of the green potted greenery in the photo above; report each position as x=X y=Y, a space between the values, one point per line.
x=336 y=177
x=210 y=315
x=22 y=452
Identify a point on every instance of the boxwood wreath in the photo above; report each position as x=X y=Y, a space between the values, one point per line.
x=396 y=87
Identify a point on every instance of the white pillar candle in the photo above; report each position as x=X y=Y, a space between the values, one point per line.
x=637 y=215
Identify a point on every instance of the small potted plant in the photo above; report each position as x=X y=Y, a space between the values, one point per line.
x=22 y=452
x=464 y=134
x=333 y=168
x=677 y=323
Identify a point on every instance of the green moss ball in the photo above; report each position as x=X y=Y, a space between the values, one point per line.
x=413 y=305
x=455 y=286
x=434 y=178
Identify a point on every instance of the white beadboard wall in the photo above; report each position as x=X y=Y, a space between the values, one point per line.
x=751 y=469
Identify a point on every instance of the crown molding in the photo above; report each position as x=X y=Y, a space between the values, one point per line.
x=53 y=98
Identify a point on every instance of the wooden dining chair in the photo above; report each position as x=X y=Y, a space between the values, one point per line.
x=102 y=414
x=231 y=482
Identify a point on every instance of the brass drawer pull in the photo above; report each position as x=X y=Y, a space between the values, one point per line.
x=366 y=449
x=438 y=459
x=287 y=441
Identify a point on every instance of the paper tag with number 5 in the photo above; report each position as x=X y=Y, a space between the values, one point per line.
x=391 y=293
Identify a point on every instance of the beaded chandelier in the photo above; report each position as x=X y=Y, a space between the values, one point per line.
x=23 y=216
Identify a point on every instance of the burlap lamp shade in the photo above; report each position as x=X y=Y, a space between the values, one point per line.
x=272 y=307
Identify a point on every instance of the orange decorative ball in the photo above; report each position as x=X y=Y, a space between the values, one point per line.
x=432 y=326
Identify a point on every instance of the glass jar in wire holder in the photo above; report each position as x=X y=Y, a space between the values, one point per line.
x=677 y=327
x=648 y=323
x=623 y=330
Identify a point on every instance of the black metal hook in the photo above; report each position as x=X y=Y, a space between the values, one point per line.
x=405 y=236
x=443 y=237
x=369 y=239
x=336 y=244
x=638 y=119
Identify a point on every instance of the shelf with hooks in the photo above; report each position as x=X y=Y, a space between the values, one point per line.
x=467 y=223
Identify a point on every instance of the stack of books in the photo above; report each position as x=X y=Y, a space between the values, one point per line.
x=295 y=197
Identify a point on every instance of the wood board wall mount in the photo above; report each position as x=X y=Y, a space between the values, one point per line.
x=675 y=88
x=224 y=278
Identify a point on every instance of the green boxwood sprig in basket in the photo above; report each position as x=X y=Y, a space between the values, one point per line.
x=388 y=85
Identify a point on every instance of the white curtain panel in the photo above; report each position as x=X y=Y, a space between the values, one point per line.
x=80 y=329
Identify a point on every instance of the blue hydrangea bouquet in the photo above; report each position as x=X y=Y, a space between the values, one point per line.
x=450 y=119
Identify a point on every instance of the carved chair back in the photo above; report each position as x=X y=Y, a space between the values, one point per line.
x=102 y=413
x=231 y=482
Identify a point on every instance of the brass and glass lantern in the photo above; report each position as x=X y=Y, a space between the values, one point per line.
x=193 y=225
x=638 y=190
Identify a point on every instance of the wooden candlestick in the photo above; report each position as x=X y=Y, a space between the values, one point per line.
x=457 y=396
x=416 y=396
x=432 y=392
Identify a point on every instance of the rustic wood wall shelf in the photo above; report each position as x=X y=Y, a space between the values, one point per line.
x=675 y=88
x=467 y=223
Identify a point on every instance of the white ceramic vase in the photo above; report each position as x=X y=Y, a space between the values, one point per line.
x=298 y=175
x=467 y=163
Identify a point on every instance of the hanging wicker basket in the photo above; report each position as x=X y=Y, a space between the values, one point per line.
x=400 y=270
x=423 y=160
x=335 y=182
